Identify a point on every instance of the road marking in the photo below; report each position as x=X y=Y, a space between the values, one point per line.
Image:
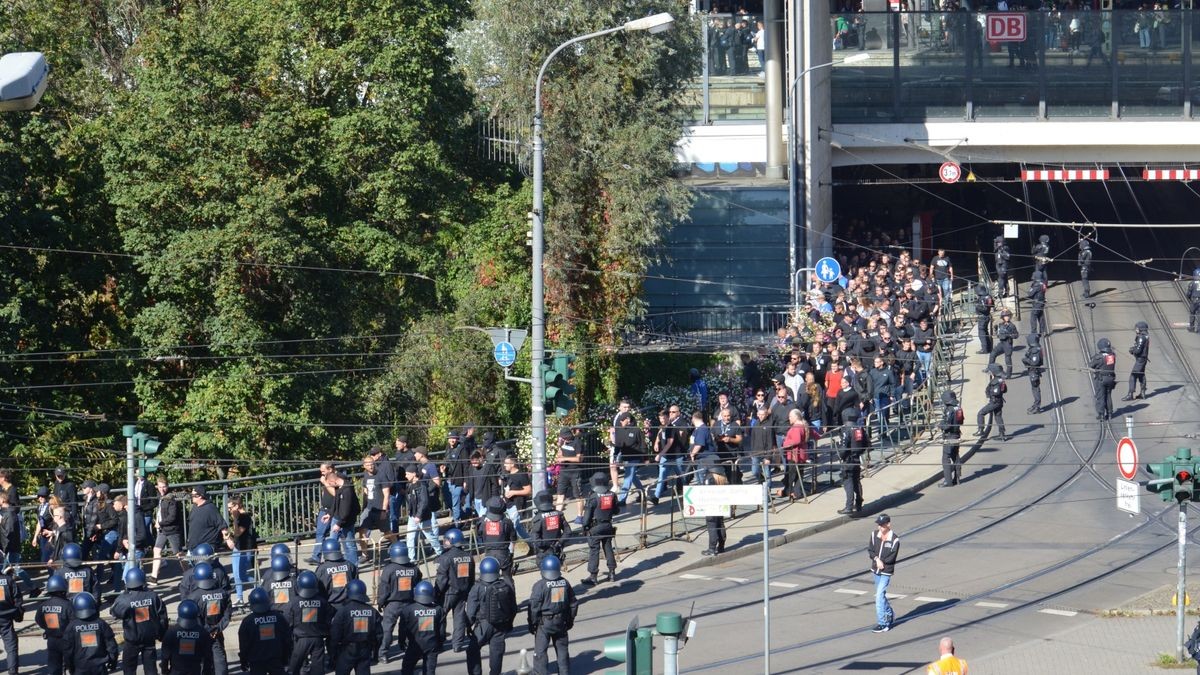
x=736 y=580
x=993 y=605
x=694 y=576
x=1180 y=324
x=783 y=584
x=923 y=598
x=1058 y=612
x=850 y=591
x=895 y=596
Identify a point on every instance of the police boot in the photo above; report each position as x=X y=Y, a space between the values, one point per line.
x=612 y=576
x=591 y=580
x=1128 y=397
x=1142 y=395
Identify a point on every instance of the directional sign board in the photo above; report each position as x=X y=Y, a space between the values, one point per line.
x=723 y=495
x=828 y=271
x=1127 y=458
x=505 y=354
x=1129 y=496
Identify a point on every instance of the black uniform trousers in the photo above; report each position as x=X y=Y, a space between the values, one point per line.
x=852 y=483
x=54 y=655
x=133 y=653
x=716 y=533
x=1035 y=387
x=1194 y=317
x=355 y=657
x=1137 y=375
x=985 y=335
x=219 y=665
x=1104 y=391
x=310 y=650
x=950 y=468
x=996 y=410
x=266 y=669
x=8 y=634
x=542 y=642
x=458 y=604
x=487 y=635
x=411 y=657
x=391 y=615
x=1037 y=321
x=1084 y=273
x=601 y=537
x=1002 y=347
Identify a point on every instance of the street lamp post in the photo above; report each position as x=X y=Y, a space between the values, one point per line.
x=655 y=23
x=793 y=165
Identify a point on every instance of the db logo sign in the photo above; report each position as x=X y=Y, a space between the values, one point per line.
x=1006 y=27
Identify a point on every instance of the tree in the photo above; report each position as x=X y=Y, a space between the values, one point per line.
x=612 y=117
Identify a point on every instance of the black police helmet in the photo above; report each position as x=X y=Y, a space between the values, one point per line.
x=495 y=508
x=1142 y=326
x=1103 y=344
x=544 y=501
x=260 y=601
x=84 y=606
x=307 y=585
x=948 y=398
x=281 y=567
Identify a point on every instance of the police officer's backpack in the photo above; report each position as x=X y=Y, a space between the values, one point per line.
x=1193 y=643
x=959 y=417
x=1032 y=358
x=499 y=604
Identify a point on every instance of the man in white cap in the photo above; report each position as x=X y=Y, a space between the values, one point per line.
x=883 y=549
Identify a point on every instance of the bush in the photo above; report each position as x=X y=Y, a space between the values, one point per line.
x=661 y=397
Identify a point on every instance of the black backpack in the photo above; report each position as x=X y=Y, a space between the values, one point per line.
x=499 y=604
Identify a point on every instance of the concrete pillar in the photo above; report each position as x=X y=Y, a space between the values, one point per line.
x=817 y=49
x=776 y=152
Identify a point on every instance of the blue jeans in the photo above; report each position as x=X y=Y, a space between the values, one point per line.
x=883 y=609
x=925 y=358
x=631 y=479
x=322 y=532
x=394 y=504
x=946 y=285
x=667 y=466
x=241 y=562
x=427 y=528
x=480 y=507
x=515 y=517
x=883 y=407
x=456 y=499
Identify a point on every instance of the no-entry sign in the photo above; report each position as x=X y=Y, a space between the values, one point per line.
x=1005 y=27
x=1127 y=458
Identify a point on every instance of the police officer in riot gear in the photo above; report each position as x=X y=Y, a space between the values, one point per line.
x=855 y=441
x=1041 y=254
x=550 y=616
x=91 y=646
x=1035 y=365
x=335 y=572
x=203 y=553
x=1006 y=332
x=278 y=583
x=1193 y=298
x=598 y=513
x=80 y=578
x=1037 y=295
x=951 y=426
x=143 y=617
x=996 y=389
x=215 y=614
x=1104 y=377
x=356 y=632
x=983 y=315
x=496 y=535
x=1085 y=265
x=1002 y=256
x=310 y=618
x=549 y=529
x=1141 y=355
x=186 y=646
x=491 y=609
x=53 y=615
x=397 y=580
x=264 y=638
x=424 y=624
x=455 y=576
x=12 y=612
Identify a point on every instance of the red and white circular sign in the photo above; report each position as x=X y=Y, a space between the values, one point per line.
x=949 y=172
x=1127 y=458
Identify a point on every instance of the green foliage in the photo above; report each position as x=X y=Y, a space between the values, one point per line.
x=661 y=397
x=640 y=371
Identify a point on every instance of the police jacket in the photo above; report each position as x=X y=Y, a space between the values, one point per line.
x=425 y=626
x=1141 y=347
x=600 y=509
x=885 y=549
x=1085 y=259
x=495 y=533
x=855 y=440
x=280 y=592
x=185 y=650
x=143 y=615
x=310 y=618
x=215 y=609
x=1193 y=292
x=357 y=624
x=1033 y=360
x=455 y=573
x=1104 y=366
x=10 y=598
x=548 y=528
x=89 y=647
x=396 y=583
x=951 y=422
x=996 y=389
x=334 y=577
x=81 y=579
x=1037 y=293
x=552 y=607
x=1002 y=256
x=983 y=306
x=1007 y=331
x=53 y=615
x=264 y=639
x=495 y=598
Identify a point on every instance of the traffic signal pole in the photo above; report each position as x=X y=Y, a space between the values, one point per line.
x=130 y=506
x=1181 y=585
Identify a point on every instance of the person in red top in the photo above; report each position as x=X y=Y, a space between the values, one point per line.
x=795 y=448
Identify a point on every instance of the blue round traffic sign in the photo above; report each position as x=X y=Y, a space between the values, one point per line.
x=828 y=270
x=505 y=354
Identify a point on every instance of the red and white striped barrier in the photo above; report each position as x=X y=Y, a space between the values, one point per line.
x=1171 y=174
x=1064 y=174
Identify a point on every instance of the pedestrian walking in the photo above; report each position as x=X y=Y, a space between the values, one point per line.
x=993 y=410
x=1103 y=365
x=242 y=557
x=1006 y=332
x=1193 y=297
x=168 y=523
x=715 y=525
x=205 y=524
x=947 y=663
x=551 y=616
x=1141 y=356
x=883 y=549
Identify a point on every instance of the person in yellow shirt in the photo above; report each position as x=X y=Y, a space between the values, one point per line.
x=948 y=664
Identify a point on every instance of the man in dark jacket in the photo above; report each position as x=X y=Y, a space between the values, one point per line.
x=64 y=489
x=168 y=521
x=883 y=549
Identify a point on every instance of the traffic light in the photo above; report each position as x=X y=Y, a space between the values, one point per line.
x=557 y=372
x=635 y=650
x=147 y=447
x=1184 y=486
x=1175 y=477
x=1164 y=479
